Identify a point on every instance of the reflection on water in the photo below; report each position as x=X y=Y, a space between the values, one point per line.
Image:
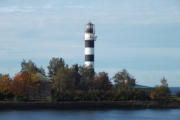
x=143 y=114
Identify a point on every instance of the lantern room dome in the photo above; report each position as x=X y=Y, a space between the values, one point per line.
x=89 y=23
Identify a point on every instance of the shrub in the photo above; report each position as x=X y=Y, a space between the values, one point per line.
x=160 y=93
x=178 y=94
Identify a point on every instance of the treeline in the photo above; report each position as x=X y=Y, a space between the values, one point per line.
x=73 y=83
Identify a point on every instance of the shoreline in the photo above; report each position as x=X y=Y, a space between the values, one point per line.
x=67 y=105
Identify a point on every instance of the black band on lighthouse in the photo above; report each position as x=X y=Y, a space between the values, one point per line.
x=89 y=30
x=89 y=43
x=89 y=57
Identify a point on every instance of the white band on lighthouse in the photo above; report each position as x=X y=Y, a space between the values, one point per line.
x=89 y=36
x=88 y=63
x=89 y=51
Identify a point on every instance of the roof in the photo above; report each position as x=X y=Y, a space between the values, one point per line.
x=141 y=86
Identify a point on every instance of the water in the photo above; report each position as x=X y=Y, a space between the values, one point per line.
x=143 y=114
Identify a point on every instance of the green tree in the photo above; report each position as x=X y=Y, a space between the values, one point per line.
x=54 y=65
x=123 y=79
x=31 y=67
x=102 y=81
x=76 y=75
x=160 y=93
x=64 y=80
x=87 y=77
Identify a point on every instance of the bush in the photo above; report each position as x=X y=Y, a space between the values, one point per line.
x=100 y=95
x=178 y=94
x=20 y=98
x=160 y=93
x=140 y=95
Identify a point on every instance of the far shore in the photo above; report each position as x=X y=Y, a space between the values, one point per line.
x=7 y=105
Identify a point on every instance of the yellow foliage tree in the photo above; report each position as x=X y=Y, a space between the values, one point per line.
x=5 y=81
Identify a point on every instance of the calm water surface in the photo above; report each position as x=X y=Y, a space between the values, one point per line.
x=144 y=114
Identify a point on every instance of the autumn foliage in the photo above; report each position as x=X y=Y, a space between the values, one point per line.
x=24 y=84
x=5 y=85
x=72 y=83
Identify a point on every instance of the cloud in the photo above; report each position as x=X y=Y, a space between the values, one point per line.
x=143 y=13
x=14 y=9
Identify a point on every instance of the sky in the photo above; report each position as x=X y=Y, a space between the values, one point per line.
x=142 y=36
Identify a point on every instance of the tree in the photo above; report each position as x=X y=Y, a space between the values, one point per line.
x=1 y=75
x=87 y=77
x=123 y=79
x=19 y=84
x=102 y=81
x=25 y=85
x=160 y=93
x=178 y=94
x=5 y=88
x=31 y=67
x=54 y=65
x=64 y=80
x=42 y=71
x=76 y=75
x=164 y=82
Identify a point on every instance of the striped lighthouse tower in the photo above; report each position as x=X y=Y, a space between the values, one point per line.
x=89 y=38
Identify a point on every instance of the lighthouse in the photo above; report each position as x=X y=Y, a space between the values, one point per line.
x=89 y=38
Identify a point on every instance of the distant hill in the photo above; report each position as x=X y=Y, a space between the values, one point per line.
x=174 y=90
